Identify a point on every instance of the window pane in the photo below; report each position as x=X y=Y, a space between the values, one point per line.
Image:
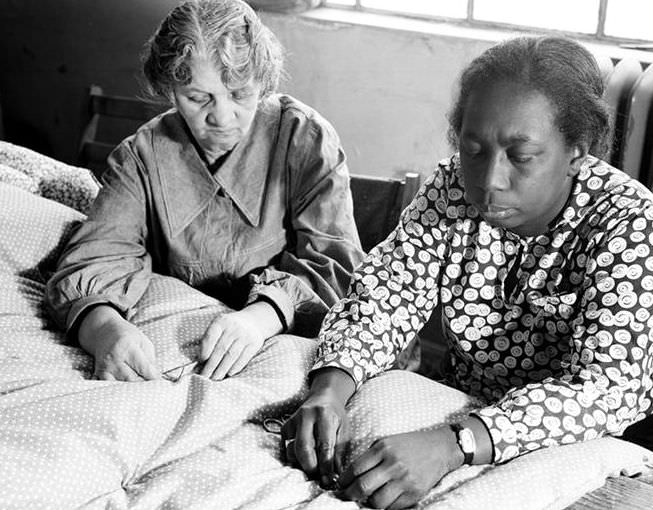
x=568 y=15
x=630 y=18
x=447 y=8
x=340 y=2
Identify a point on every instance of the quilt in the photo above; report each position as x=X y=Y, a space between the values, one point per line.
x=187 y=442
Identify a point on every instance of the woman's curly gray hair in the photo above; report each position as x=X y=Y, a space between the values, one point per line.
x=557 y=67
x=226 y=32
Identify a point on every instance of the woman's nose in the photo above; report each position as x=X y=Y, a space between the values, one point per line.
x=497 y=173
x=222 y=114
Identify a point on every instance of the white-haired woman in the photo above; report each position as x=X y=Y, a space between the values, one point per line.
x=238 y=191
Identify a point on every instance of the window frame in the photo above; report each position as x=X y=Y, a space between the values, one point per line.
x=598 y=36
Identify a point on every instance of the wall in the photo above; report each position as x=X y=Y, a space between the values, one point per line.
x=386 y=91
x=53 y=49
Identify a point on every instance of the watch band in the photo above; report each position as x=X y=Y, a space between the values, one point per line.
x=466 y=441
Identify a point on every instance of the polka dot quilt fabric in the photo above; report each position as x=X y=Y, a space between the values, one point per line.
x=553 y=478
x=186 y=442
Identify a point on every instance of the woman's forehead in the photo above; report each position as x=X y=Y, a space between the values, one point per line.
x=206 y=75
x=503 y=96
x=510 y=111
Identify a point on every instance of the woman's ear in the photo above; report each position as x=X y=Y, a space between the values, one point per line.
x=578 y=156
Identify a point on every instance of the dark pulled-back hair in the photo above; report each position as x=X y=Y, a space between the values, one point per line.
x=557 y=67
x=225 y=32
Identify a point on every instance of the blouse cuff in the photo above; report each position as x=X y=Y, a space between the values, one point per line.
x=278 y=299
x=80 y=306
x=503 y=432
x=344 y=363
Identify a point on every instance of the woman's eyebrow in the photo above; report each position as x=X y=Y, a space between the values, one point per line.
x=505 y=140
x=191 y=88
x=520 y=138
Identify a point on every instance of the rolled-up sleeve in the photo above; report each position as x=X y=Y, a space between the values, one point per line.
x=106 y=260
x=314 y=271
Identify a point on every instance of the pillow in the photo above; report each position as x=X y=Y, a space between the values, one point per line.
x=9 y=175
x=550 y=478
x=33 y=232
x=72 y=186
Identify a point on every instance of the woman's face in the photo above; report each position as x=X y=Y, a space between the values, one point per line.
x=517 y=169
x=217 y=117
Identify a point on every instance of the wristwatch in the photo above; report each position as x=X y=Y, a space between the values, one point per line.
x=466 y=441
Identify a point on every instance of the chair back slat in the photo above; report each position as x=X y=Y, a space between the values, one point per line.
x=378 y=202
x=108 y=119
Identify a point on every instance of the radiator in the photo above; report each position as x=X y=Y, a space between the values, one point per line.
x=629 y=92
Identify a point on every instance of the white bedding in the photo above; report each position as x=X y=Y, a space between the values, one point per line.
x=70 y=442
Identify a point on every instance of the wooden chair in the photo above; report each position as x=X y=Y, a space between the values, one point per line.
x=378 y=202
x=108 y=120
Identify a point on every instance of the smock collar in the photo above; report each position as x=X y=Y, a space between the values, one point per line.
x=186 y=182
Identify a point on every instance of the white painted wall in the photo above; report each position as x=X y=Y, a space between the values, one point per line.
x=386 y=91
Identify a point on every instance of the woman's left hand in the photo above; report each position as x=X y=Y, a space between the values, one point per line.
x=233 y=339
x=397 y=471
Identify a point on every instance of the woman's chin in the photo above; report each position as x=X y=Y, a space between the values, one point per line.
x=215 y=151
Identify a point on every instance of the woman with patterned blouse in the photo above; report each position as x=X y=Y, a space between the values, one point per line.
x=539 y=255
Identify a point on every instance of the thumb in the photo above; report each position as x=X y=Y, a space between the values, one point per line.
x=288 y=432
x=288 y=429
x=145 y=366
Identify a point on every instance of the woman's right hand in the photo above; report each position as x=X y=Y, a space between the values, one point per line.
x=121 y=351
x=316 y=435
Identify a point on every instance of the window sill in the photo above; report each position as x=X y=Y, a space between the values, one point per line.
x=334 y=16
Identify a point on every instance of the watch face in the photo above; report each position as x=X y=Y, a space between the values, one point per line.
x=467 y=443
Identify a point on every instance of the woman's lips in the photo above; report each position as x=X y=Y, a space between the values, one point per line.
x=495 y=212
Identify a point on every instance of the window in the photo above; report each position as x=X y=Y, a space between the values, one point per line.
x=620 y=20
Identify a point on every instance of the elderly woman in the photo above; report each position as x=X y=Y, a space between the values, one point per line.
x=539 y=255
x=240 y=192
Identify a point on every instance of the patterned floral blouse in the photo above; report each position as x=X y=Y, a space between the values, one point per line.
x=563 y=354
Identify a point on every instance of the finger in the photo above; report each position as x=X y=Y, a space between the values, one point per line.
x=143 y=366
x=325 y=441
x=220 y=349
x=389 y=495
x=227 y=361
x=289 y=449
x=210 y=339
x=104 y=375
x=350 y=479
x=289 y=428
x=245 y=357
x=288 y=440
x=305 y=447
x=403 y=501
x=367 y=483
x=340 y=450
x=127 y=373
x=117 y=372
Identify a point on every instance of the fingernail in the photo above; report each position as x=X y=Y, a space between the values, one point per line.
x=330 y=482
